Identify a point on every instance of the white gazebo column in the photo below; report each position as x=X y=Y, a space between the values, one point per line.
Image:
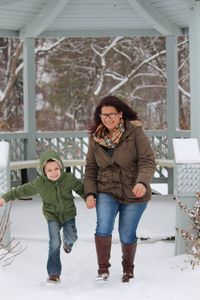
x=187 y=184
x=194 y=40
x=30 y=98
x=4 y=188
x=172 y=100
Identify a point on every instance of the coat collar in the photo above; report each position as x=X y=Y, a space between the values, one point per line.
x=129 y=127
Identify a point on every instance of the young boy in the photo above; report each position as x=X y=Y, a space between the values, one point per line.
x=55 y=188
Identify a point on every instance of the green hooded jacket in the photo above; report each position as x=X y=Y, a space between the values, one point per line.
x=57 y=197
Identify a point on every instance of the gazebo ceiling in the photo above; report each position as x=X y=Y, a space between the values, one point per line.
x=85 y=18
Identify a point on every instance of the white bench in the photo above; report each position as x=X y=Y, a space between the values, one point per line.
x=68 y=163
x=23 y=165
x=167 y=163
x=27 y=164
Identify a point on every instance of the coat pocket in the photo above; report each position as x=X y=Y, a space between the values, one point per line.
x=128 y=185
x=128 y=194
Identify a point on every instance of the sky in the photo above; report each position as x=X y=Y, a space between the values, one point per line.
x=159 y=274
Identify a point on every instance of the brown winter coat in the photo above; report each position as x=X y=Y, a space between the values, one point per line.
x=133 y=161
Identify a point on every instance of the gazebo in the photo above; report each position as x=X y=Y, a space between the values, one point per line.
x=33 y=19
x=36 y=18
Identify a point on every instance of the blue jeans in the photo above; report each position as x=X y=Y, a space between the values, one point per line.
x=69 y=237
x=107 y=208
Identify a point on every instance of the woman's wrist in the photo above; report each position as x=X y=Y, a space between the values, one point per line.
x=144 y=184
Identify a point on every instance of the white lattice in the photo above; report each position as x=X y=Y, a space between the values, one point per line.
x=188 y=178
x=3 y=181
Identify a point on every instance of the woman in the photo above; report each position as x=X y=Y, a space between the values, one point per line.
x=120 y=165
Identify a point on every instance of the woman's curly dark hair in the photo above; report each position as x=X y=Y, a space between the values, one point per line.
x=118 y=104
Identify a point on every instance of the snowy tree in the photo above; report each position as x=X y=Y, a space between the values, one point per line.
x=11 y=82
x=73 y=74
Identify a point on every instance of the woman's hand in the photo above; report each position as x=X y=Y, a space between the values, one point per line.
x=90 y=201
x=139 y=190
x=2 y=202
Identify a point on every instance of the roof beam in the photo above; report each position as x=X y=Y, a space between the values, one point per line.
x=191 y=3
x=99 y=33
x=153 y=17
x=44 y=18
x=8 y=33
x=6 y=2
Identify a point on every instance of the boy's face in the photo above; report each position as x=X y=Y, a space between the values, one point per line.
x=52 y=170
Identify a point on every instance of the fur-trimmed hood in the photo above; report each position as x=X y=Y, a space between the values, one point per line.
x=50 y=155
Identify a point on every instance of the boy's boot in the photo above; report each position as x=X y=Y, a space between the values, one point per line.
x=128 y=255
x=103 y=248
x=53 y=279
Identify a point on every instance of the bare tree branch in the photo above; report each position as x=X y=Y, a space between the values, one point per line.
x=8 y=251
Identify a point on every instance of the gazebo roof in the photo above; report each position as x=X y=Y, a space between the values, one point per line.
x=84 y=18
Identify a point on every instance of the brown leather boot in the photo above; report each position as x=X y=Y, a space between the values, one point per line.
x=103 y=247
x=128 y=255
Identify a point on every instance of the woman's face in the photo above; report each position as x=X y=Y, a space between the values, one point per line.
x=110 y=117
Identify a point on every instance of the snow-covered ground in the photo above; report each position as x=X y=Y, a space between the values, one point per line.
x=159 y=274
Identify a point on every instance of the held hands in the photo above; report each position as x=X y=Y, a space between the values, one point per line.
x=139 y=190
x=90 y=202
x=2 y=202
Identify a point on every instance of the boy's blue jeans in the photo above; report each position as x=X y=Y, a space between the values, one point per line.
x=107 y=209
x=69 y=237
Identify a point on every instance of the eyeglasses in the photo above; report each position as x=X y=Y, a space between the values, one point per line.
x=110 y=116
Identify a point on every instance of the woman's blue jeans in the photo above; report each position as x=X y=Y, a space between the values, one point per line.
x=107 y=208
x=69 y=237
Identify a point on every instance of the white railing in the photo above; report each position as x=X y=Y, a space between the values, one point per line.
x=73 y=146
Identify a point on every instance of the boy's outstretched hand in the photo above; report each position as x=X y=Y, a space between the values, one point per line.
x=90 y=201
x=2 y=201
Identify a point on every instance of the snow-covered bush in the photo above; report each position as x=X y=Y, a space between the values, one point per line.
x=192 y=237
x=8 y=250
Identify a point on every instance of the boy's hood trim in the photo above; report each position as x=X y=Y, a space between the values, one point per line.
x=47 y=155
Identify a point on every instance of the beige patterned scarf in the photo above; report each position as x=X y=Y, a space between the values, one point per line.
x=109 y=139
